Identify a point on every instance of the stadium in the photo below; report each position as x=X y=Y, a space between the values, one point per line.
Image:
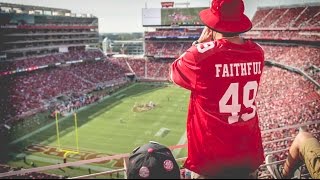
x=70 y=110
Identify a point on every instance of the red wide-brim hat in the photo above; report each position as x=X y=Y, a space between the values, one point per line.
x=226 y=16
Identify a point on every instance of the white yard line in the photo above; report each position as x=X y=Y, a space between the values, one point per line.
x=182 y=140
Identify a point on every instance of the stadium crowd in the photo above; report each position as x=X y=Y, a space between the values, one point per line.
x=284 y=17
x=286 y=23
x=31 y=89
x=173 y=33
x=284 y=98
x=38 y=175
x=272 y=34
x=166 y=49
x=74 y=103
x=278 y=23
x=292 y=56
x=30 y=92
x=31 y=62
x=314 y=72
x=145 y=69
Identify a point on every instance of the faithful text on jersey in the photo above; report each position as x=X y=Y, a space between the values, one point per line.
x=238 y=69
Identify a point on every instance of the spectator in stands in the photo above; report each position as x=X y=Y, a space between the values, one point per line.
x=33 y=175
x=152 y=161
x=305 y=148
x=223 y=71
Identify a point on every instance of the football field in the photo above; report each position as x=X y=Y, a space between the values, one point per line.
x=129 y=118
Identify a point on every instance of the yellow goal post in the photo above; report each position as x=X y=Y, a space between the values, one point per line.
x=60 y=148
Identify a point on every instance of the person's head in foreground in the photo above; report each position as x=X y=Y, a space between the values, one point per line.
x=225 y=18
x=152 y=161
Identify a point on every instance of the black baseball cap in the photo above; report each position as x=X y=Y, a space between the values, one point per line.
x=152 y=161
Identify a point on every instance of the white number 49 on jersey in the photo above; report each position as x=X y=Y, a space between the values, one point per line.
x=235 y=107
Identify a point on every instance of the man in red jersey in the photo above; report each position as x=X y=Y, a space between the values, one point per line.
x=222 y=71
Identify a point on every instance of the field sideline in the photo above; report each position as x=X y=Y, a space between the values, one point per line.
x=113 y=127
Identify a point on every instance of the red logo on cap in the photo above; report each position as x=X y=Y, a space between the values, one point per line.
x=168 y=165
x=144 y=172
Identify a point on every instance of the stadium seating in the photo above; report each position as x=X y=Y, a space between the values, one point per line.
x=308 y=18
x=285 y=17
x=146 y=69
x=297 y=35
x=166 y=49
x=293 y=56
x=286 y=23
x=138 y=66
x=32 y=88
x=31 y=62
x=285 y=98
x=38 y=175
x=173 y=33
x=169 y=43
x=31 y=91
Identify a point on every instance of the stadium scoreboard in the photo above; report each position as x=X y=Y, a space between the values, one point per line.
x=171 y=16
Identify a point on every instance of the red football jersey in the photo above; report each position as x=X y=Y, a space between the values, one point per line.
x=222 y=126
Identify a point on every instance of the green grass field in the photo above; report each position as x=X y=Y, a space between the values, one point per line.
x=112 y=127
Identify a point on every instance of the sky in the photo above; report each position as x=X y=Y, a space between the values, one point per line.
x=126 y=15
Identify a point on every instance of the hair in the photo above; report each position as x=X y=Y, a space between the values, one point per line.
x=230 y=34
x=224 y=34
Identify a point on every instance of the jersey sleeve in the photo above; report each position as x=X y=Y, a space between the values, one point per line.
x=183 y=71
